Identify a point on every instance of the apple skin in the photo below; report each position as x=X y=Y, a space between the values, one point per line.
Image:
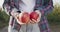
x=34 y=15
x=25 y=18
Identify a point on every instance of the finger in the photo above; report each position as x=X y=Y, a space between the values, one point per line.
x=32 y=22
x=39 y=15
x=28 y=22
x=20 y=22
x=38 y=11
x=38 y=20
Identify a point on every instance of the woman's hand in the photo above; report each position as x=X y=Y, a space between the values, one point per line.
x=17 y=15
x=38 y=20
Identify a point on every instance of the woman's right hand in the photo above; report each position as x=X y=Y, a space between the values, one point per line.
x=19 y=20
x=16 y=15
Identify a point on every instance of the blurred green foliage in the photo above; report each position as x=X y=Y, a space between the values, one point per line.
x=4 y=19
x=54 y=17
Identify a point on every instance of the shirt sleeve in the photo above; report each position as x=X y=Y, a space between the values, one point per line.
x=9 y=7
x=47 y=8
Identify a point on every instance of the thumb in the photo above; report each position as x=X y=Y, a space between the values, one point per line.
x=19 y=20
x=33 y=20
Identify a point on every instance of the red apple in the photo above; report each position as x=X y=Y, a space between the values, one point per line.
x=34 y=15
x=25 y=18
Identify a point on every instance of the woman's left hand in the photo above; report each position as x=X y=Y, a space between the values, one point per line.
x=38 y=20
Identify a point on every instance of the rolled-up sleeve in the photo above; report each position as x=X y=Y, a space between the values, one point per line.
x=47 y=8
x=9 y=7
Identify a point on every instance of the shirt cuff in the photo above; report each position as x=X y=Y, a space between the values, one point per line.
x=15 y=11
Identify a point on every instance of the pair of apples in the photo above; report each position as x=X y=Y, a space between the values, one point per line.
x=26 y=17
